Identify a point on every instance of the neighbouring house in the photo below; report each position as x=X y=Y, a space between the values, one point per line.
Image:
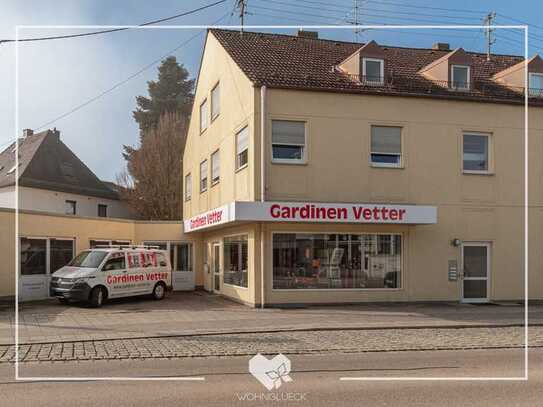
x=64 y=209
x=53 y=179
x=322 y=171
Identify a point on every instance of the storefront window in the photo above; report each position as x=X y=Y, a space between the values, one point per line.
x=180 y=256
x=325 y=261
x=33 y=255
x=235 y=261
x=62 y=252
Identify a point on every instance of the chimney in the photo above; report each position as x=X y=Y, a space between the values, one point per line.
x=441 y=46
x=27 y=132
x=55 y=133
x=308 y=34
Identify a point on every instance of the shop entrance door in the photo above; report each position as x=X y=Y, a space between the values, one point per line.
x=476 y=271
x=216 y=267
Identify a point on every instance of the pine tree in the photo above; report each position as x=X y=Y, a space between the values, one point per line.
x=171 y=93
x=152 y=182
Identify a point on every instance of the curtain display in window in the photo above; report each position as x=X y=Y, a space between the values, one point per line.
x=235 y=261
x=336 y=261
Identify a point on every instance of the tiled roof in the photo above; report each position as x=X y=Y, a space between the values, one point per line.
x=45 y=162
x=286 y=61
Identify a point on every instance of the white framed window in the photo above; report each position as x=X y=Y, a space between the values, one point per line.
x=70 y=207
x=460 y=77
x=215 y=101
x=476 y=153
x=535 y=84
x=215 y=167
x=203 y=176
x=373 y=71
x=203 y=116
x=188 y=187
x=288 y=141
x=386 y=146
x=242 y=148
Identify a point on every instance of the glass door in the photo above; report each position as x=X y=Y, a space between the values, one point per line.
x=39 y=258
x=182 y=271
x=216 y=267
x=476 y=271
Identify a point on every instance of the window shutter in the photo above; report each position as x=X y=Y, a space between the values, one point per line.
x=288 y=132
x=215 y=101
x=242 y=140
x=215 y=165
x=386 y=139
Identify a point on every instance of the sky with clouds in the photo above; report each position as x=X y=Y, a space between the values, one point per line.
x=57 y=76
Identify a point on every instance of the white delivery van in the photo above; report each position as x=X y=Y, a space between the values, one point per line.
x=95 y=275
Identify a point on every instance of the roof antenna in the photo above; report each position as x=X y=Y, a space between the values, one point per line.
x=488 y=21
x=241 y=5
x=356 y=19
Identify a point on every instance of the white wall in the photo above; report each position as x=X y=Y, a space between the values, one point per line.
x=51 y=201
x=7 y=197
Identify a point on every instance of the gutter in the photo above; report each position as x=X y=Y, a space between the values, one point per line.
x=262 y=186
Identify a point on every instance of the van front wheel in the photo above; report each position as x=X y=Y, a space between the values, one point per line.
x=97 y=297
x=159 y=291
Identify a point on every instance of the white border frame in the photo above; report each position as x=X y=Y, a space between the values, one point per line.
x=338 y=27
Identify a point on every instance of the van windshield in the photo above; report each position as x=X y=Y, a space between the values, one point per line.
x=88 y=259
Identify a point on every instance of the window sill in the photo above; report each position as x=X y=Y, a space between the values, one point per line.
x=338 y=289
x=203 y=190
x=241 y=168
x=213 y=118
x=471 y=172
x=391 y=166
x=215 y=183
x=289 y=162
x=203 y=131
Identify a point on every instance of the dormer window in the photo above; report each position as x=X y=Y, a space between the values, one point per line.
x=373 y=71
x=535 y=84
x=460 y=77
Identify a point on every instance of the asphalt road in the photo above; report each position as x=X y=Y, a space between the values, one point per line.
x=315 y=380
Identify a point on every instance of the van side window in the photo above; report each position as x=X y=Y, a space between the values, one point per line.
x=116 y=263
x=134 y=260
x=161 y=260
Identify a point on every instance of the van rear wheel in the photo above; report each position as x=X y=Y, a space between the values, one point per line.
x=97 y=297
x=159 y=292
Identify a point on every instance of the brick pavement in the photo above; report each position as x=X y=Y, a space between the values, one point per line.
x=271 y=343
x=198 y=313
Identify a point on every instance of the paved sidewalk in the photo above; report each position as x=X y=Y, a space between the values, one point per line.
x=194 y=313
x=307 y=342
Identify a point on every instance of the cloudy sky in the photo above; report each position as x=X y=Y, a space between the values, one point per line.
x=59 y=75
